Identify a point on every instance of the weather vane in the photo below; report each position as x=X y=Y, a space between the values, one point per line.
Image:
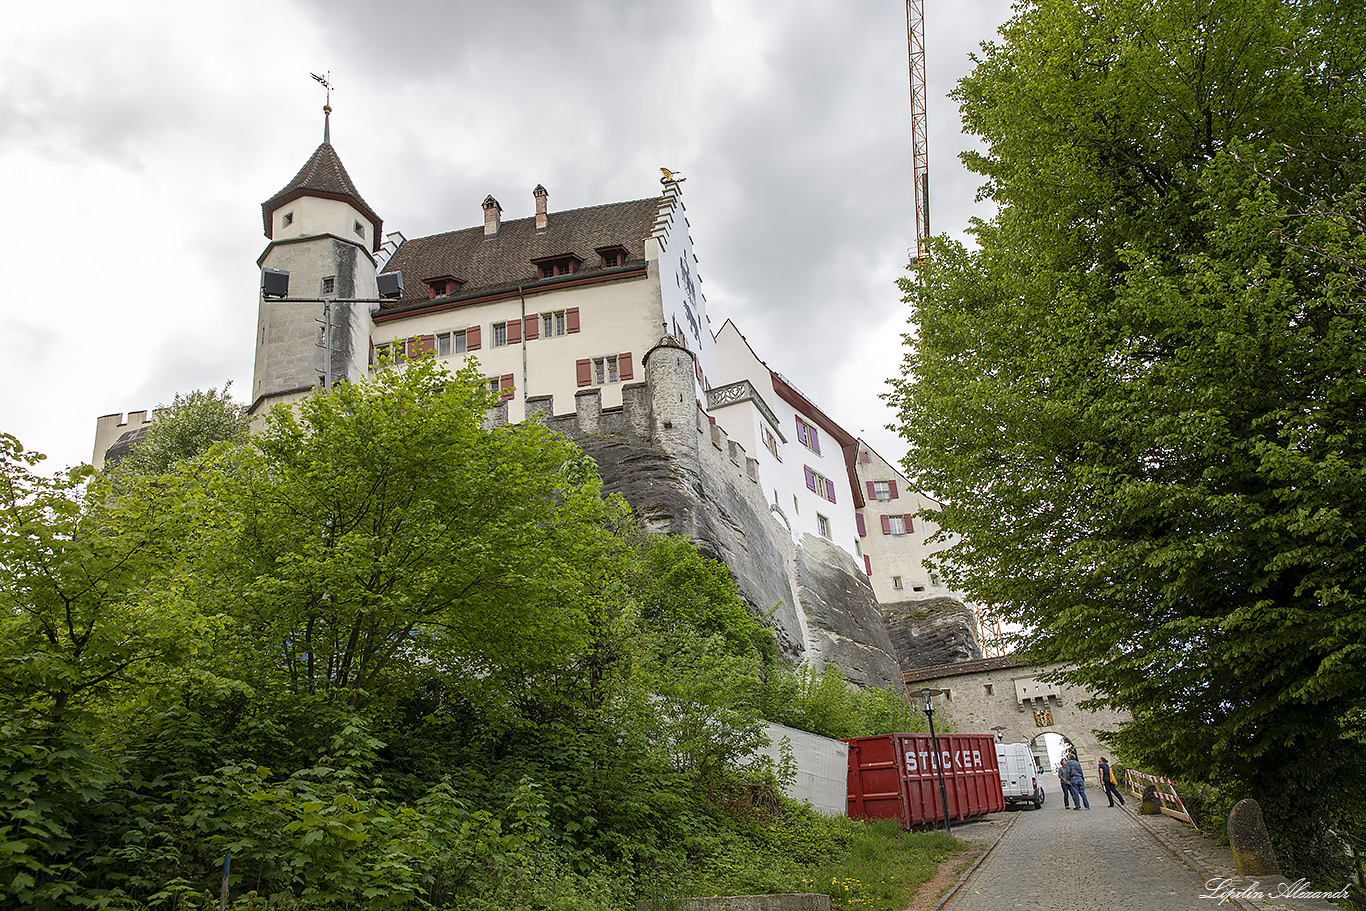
x=326 y=82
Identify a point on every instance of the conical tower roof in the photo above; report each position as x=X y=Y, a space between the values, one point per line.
x=325 y=176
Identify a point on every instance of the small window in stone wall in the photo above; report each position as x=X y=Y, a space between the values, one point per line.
x=988 y=686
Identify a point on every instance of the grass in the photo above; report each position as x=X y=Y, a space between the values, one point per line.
x=865 y=865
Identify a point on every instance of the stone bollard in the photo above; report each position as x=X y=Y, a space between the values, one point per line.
x=1247 y=836
x=1152 y=804
x=797 y=901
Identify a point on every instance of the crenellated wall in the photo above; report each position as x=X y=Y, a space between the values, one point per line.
x=682 y=474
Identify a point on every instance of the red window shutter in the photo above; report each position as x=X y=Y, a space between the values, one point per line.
x=532 y=328
x=892 y=488
x=472 y=338
x=514 y=331
x=571 y=319
x=624 y=366
x=862 y=526
x=872 y=494
x=815 y=440
x=867 y=565
x=810 y=478
x=886 y=525
x=505 y=385
x=907 y=520
x=830 y=490
x=864 y=458
x=421 y=345
x=585 y=371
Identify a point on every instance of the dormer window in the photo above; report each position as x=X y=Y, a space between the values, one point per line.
x=442 y=286
x=551 y=266
x=287 y=219
x=612 y=256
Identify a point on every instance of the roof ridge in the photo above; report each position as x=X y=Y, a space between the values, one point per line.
x=531 y=218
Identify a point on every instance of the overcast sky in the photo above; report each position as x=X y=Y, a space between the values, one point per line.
x=137 y=142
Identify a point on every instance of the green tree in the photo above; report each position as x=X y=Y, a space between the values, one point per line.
x=192 y=423
x=380 y=532
x=1140 y=395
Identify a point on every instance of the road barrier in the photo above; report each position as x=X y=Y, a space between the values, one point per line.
x=1166 y=793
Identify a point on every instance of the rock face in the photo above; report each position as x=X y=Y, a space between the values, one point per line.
x=931 y=632
x=1249 y=840
x=725 y=526
x=682 y=475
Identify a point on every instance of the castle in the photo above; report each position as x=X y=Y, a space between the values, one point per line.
x=593 y=320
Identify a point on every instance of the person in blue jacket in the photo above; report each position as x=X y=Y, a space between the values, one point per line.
x=1078 y=779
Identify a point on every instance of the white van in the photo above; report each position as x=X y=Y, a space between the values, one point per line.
x=1019 y=775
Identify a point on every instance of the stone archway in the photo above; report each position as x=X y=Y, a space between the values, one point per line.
x=1016 y=703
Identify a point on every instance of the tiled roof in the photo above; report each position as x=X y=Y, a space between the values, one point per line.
x=507 y=258
x=962 y=667
x=322 y=175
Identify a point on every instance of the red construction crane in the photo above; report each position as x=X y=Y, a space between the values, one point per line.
x=915 y=40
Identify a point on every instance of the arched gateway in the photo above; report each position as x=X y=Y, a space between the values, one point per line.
x=1007 y=698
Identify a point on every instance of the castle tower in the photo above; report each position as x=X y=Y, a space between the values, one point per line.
x=322 y=232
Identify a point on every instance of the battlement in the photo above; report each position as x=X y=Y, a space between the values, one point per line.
x=109 y=427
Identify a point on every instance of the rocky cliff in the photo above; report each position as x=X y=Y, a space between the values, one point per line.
x=931 y=632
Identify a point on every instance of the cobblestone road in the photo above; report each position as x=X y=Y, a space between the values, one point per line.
x=1053 y=859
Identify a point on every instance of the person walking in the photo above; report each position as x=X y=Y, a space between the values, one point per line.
x=1107 y=781
x=1078 y=779
x=1066 y=785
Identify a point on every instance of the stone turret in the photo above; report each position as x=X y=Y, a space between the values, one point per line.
x=324 y=234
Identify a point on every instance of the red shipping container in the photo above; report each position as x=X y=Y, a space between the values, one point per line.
x=894 y=776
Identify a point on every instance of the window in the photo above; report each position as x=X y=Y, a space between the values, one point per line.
x=448 y=343
x=988 y=686
x=771 y=443
x=553 y=324
x=822 y=525
x=605 y=370
x=557 y=265
x=863 y=457
x=393 y=352
x=442 y=286
x=501 y=386
x=329 y=284
x=820 y=484
x=359 y=229
x=807 y=436
x=612 y=368
x=612 y=256
x=896 y=581
x=897 y=525
x=500 y=335
x=882 y=490
x=287 y=219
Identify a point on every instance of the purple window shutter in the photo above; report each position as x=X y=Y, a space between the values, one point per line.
x=815 y=440
x=862 y=526
x=830 y=490
x=810 y=478
x=892 y=488
x=801 y=433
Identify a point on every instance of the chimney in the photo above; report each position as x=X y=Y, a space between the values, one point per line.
x=541 y=195
x=492 y=216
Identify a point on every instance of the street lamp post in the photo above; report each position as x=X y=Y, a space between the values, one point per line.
x=275 y=286
x=928 y=695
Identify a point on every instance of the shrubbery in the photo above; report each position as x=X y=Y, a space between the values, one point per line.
x=385 y=658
